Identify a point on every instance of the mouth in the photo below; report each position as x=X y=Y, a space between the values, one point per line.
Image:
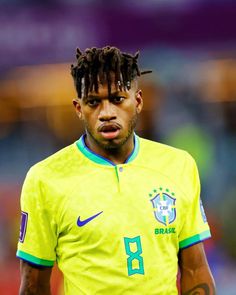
x=109 y=131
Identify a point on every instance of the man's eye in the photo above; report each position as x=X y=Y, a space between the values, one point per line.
x=93 y=102
x=118 y=99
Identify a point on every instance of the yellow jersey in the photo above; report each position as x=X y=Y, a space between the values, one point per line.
x=112 y=229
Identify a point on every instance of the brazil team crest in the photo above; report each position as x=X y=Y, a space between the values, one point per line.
x=164 y=207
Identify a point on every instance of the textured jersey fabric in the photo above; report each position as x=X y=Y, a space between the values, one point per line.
x=112 y=229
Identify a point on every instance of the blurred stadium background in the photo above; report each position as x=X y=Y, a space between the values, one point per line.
x=190 y=99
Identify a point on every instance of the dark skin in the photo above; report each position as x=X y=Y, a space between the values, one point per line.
x=196 y=277
x=119 y=110
x=34 y=279
x=118 y=113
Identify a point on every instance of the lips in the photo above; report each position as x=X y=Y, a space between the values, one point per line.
x=109 y=128
x=109 y=131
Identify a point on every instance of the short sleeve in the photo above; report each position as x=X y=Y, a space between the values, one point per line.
x=37 y=239
x=195 y=227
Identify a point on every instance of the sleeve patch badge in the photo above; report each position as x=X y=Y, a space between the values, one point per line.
x=203 y=212
x=23 y=226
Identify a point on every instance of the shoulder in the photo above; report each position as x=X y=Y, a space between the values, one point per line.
x=173 y=165
x=58 y=164
x=165 y=158
x=151 y=148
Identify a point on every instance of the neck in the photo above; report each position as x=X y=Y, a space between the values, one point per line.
x=116 y=155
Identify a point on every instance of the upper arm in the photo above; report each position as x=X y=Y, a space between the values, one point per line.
x=195 y=272
x=194 y=227
x=34 y=279
x=38 y=231
x=36 y=246
x=192 y=257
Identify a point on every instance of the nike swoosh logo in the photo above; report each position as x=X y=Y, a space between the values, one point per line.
x=83 y=222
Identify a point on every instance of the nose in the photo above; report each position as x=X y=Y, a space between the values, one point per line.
x=107 y=111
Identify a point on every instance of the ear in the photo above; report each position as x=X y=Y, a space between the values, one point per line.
x=77 y=105
x=139 y=100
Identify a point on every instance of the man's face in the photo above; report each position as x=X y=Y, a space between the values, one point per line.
x=109 y=120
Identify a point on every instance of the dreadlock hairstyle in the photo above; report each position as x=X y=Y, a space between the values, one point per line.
x=95 y=66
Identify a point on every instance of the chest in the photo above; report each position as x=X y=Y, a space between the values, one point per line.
x=122 y=200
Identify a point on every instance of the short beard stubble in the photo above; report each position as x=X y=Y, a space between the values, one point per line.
x=111 y=146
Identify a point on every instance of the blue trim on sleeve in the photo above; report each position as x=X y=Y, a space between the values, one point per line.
x=194 y=239
x=33 y=259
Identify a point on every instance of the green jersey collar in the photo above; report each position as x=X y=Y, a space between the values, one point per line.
x=100 y=159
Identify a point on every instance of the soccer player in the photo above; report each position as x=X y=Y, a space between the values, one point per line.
x=118 y=213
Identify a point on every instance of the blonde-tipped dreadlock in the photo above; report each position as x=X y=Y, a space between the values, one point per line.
x=96 y=65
